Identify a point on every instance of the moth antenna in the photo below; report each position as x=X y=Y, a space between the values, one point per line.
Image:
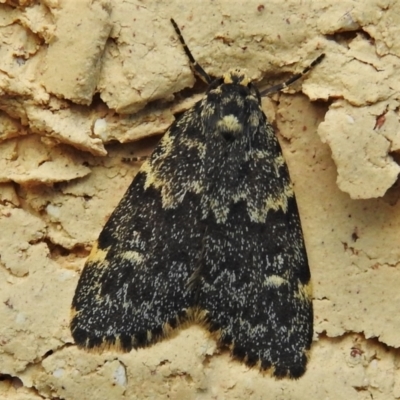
x=294 y=78
x=196 y=67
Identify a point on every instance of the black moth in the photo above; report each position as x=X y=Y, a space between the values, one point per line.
x=208 y=231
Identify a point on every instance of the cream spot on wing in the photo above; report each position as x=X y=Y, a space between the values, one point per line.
x=254 y=119
x=220 y=211
x=151 y=178
x=133 y=256
x=97 y=255
x=304 y=292
x=275 y=281
x=279 y=161
x=272 y=202
x=280 y=201
x=208 y=109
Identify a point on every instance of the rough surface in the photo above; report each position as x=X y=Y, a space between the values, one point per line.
x=57 y=189
x=361 y=139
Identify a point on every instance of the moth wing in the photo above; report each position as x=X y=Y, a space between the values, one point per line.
x=255 y=274
x=134 y=285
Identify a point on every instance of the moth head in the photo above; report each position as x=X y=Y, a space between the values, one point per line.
x=236 y=76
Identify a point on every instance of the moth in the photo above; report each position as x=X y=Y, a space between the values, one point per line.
x=208 y=231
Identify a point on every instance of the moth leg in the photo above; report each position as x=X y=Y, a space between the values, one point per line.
x=135 y=159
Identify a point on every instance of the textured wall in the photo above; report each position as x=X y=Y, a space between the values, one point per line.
x=76 y=78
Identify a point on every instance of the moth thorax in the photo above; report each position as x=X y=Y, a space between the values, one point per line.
x=236 y=76
x=229 y=127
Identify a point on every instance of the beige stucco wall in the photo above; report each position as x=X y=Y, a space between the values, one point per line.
x=76 y=77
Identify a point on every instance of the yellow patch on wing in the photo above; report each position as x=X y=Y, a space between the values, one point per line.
x=97 y=255
x=275 y=281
